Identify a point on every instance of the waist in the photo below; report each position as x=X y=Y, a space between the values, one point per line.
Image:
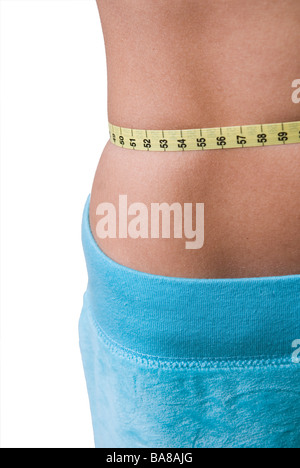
x=255 y=319
x=251 y=209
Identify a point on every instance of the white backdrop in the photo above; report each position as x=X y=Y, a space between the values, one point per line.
x=53 y=129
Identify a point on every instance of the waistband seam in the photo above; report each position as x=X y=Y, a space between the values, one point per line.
x=200 y=364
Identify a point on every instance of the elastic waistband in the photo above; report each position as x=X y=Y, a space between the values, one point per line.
x=198 y=319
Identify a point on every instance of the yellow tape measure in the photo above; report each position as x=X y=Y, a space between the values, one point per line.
x=247 y=136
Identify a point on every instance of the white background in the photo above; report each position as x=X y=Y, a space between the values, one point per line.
x=53 y=129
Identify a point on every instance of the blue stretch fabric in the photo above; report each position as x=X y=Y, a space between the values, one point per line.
x=177 y=362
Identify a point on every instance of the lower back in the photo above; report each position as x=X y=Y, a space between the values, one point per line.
x=192 y=64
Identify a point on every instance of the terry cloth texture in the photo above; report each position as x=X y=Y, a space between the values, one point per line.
x=183 y=363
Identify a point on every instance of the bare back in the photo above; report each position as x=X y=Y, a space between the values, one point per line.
x=176 y=64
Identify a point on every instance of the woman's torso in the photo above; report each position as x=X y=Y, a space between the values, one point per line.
x=196 y=64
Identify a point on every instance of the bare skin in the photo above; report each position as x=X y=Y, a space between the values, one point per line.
x=190 y=64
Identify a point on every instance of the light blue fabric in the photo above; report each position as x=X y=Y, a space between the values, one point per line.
x=176 y=362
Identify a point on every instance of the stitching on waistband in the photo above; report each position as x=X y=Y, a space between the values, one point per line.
x=189 y=363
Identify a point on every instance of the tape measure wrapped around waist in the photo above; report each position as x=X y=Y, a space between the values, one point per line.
x=247 y=136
